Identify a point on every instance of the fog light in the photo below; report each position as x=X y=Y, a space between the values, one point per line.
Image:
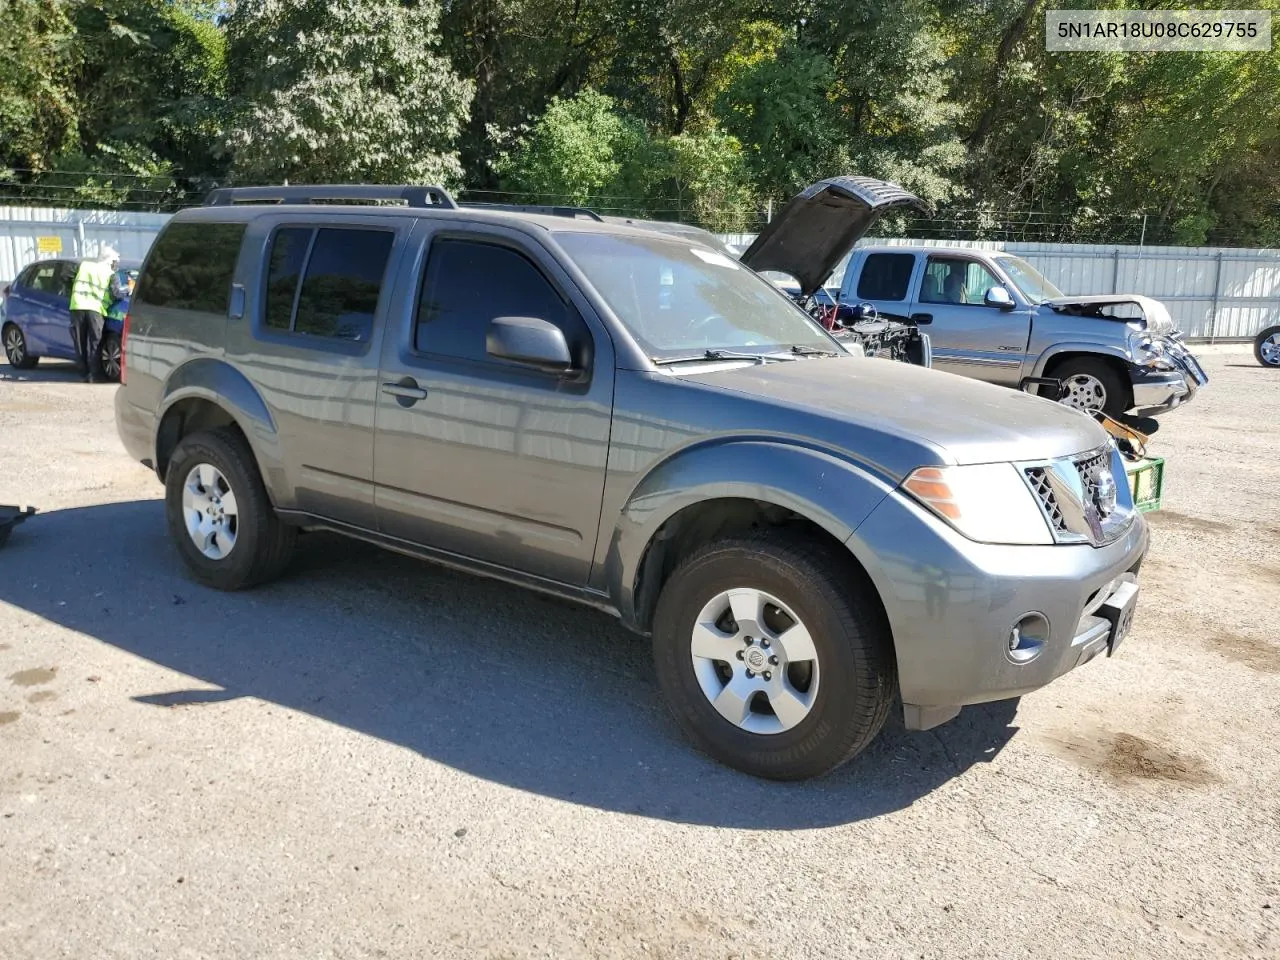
x=1027 y=638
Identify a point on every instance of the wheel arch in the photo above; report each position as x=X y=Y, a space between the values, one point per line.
x=206 y=393
x=715 y=490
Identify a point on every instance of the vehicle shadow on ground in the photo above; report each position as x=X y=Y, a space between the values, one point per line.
x=530 y=692
x=48 y=371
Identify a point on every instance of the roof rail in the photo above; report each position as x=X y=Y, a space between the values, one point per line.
x=412 y=194
x=551 y=211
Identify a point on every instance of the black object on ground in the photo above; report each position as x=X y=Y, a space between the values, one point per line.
x=10 y=517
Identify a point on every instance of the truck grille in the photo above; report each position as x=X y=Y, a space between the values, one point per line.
x=1086 y=470
x=1039 y=480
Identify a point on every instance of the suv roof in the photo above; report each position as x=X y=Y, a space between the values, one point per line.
x=433 y=202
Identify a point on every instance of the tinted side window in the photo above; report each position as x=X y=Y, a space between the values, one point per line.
x=66 y=278
x=342 y=283
x=191 y=266
x=288 y=254
x=885 y=276
x=467 y=284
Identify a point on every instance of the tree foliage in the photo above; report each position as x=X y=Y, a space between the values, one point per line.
x=344 y=90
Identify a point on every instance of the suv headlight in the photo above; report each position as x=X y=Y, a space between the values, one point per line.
x=987 y=502
x=1152 y=354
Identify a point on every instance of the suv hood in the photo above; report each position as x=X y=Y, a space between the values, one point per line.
x=1155 y=316
x=821 y=224
x=962 y=420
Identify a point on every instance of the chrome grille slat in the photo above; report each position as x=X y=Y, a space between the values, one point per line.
x=1039 y=480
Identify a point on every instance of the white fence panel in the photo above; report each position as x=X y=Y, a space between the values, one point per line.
x=75 y=233
x=1212 y=292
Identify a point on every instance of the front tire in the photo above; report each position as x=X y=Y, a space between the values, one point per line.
x=774 y=655
x=219 y=514
x=15 y=348
x=1091 y=385
x=1266 y=347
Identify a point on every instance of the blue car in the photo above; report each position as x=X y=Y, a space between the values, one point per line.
x=35 y=316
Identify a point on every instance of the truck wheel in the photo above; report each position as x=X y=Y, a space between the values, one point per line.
x=1266 y=347
x=219 y=514
x=109 y=352
x=1091 y=385
x=774 y=655
x=15 y=348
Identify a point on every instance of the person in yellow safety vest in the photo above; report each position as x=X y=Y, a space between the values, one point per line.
x=92 y=293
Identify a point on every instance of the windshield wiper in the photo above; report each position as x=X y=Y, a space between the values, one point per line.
x=804 y=351
x=718 y=355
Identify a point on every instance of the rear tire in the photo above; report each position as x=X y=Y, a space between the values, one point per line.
x=15 y=348
x=219 y=514
x=109 y=354
x=1266 y=347
x=833 y=694
x=1090 y=384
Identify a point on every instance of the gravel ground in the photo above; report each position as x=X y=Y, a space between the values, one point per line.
x=377 y=758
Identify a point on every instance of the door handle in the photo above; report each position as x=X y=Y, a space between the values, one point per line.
x=406 y=390
x=922 y=319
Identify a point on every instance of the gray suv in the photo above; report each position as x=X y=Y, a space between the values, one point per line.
x=635 y=421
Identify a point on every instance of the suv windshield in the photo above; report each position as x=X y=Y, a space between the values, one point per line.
x=1028 y=280
x=678 y=298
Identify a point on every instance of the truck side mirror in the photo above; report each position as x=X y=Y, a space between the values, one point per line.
x=999 y=297
x=531 y=341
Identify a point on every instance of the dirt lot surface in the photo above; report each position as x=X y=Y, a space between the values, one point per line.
x=376 y=758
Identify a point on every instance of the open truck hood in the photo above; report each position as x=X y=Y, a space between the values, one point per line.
x=821 y=224
x=1154 y=313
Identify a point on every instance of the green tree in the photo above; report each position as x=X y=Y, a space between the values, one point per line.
x=38 y=107
x=344 y=90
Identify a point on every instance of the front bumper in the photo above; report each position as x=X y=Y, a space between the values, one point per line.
x=952 y=605
x=1157 y=391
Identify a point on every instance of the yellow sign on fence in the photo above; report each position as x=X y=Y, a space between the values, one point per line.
x=49 y=244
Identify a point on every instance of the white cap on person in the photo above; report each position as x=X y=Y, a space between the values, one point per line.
x=109 y=253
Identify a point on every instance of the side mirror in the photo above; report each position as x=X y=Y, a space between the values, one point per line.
x=999 y=297
x=530 y=341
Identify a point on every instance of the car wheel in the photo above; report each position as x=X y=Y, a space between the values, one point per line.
x=774 y=655
x=1091 y=386
x=1266 y=347
x=15 y=348
x=109 y=353
x=219 y=514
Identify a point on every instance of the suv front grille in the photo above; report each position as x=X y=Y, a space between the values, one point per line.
x=1038 y=477
x=1086 y=469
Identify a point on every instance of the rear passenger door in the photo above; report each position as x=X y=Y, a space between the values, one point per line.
x=484 y=457
x=320 y=296
x=35 y=306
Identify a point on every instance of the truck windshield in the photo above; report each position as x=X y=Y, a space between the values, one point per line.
x=1028 y=280
x=677 y=297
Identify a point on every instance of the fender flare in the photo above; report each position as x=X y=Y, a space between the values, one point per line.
x=834 y=493
x=1103 y=349
x=220 y=383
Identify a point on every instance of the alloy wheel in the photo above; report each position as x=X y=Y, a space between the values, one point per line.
x=210 y=511
x=15 y=347
x=755 y=661
x=1084 y=392
x=111 y=359
x=1270 y=350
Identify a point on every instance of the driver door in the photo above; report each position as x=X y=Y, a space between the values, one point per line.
x=969 y=337
x=484 y=457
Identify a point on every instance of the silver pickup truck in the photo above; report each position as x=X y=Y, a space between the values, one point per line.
x=992 y=316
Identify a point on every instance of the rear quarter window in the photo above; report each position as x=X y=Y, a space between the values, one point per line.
x=191 y=267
